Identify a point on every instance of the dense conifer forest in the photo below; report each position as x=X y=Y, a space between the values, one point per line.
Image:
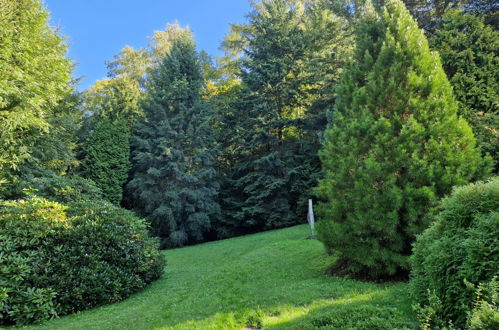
x=383 y=112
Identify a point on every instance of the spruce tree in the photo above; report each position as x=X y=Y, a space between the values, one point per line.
x=107 y=153
x=173 y=151
x=293 y=53
x=394 y=146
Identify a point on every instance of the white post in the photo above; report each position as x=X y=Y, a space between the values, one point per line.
x=310 y=217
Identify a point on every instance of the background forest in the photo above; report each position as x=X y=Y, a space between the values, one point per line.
x=373 y=110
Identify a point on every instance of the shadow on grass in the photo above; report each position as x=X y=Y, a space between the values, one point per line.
x=345 y=304
x=384 y=309
x=275 y=279
x=370 y=311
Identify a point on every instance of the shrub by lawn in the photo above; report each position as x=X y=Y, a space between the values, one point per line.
x=273 y=280
x=456 y=254
x=56 y=259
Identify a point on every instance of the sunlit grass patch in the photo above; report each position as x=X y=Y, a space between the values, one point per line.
x=271 y=280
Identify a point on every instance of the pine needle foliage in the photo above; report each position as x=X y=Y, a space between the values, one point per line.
x=394 y=146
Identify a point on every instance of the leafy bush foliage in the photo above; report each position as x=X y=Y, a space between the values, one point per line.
x=430 y=314
x=60 y=259
x=485 y=313
x=460 y=247
x=24 y=231
x=64 y=189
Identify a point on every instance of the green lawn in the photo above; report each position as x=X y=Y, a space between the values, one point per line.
x=273 y=280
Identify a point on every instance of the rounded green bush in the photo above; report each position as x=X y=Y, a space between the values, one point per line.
x=459 y=250
x=56 y=259
x=64 y=189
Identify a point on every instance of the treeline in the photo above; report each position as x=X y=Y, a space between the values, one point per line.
x=208 y=148
x=376 y=109
x=221 y=147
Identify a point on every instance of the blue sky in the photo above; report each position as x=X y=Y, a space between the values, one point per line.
x=97 y=29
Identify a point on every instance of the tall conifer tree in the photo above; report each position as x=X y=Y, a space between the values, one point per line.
x=470 y=57
x=107 y=157
x=35 y=77
x=395 y=145
x=293 y=52
x=173 y=150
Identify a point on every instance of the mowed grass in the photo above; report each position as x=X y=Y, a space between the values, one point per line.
x=273 y=280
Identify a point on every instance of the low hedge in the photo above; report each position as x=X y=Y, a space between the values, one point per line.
x=459 y=251
x=56 y=259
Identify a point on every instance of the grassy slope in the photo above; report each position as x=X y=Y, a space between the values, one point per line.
x=274 y=279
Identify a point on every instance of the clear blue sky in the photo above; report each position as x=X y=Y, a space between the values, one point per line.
x=98 y=29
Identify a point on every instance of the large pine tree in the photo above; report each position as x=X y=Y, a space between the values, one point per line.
x=394 y=146
x=292 y=55
x=173 y=150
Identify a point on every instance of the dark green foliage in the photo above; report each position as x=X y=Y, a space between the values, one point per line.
x=469 y=51
x=54 y=153
x=394 y=146
x=461 y=246
x=114 y=105
x=488 y=9
x=24 y=229
x=63 y=189
x=173 y=180
x=293 y=53
x=58 y=260
x=107 y=157
x=430 y=13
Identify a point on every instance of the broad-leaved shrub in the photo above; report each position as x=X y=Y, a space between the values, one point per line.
x=56 y=259
x=64 y=189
